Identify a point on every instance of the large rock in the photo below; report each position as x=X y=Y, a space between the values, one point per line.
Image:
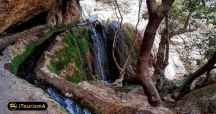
x=66 y=11
x=13 y=11
x=27 y=41
x=67 y=57
x=16 y=89
x=21 y=11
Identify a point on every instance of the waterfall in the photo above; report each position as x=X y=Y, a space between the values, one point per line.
x=101 y=40
x=97 y=38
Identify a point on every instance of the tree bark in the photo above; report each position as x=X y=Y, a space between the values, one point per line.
x=205 y=68
x=143 y=63
x=156 y=15
x=164 y=85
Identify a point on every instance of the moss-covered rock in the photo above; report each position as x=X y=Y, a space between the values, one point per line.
x=69 y=60
x=26 y=44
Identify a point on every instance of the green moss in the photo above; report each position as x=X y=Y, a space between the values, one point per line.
x=29 y=48
x=16 y=61
x=74 y=51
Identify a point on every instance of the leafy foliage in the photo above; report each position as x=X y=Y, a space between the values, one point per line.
x=201 y=9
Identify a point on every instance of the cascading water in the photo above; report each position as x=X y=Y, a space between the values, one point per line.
x=102 y=38
x=98 y=47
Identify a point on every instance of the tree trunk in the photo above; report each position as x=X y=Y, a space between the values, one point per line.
x=205 y=68
x=157 y=11
x=143 y=65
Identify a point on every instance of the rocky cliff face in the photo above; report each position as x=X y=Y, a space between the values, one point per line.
x=64 y=12
x=12 y=12
x=15 y=89
x=20 y=11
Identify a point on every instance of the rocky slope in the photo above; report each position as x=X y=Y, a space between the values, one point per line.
x=15 y=89
x=20 y=11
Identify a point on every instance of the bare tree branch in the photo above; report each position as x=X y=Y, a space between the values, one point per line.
x=123 y=70
x=116 y=6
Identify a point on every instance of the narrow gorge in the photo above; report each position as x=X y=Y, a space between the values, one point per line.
x=103 y=57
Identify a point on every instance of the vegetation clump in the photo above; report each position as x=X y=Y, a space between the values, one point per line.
x=75 y=47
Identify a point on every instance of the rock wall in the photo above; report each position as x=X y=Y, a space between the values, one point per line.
x=14 y=11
